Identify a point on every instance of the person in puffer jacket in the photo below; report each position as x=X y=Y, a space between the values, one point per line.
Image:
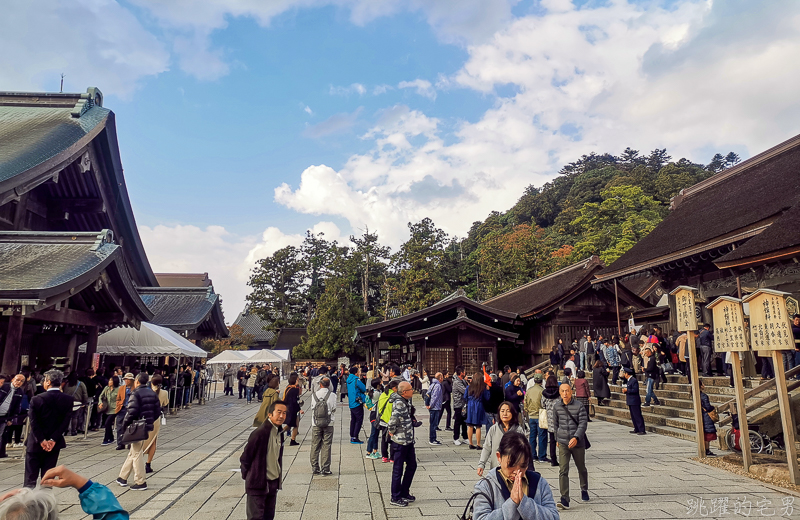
x=401 y=429
x=511 y=491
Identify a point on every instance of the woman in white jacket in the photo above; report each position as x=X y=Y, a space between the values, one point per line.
x=507 y=422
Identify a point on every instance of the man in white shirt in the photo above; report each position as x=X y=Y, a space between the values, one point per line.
x=322 y=428
x=571 y=365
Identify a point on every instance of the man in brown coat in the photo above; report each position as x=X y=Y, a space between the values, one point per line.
x=262 y=464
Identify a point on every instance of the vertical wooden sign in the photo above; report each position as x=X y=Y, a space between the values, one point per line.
x=771 y=332
x=731 y=336
x=687 y=322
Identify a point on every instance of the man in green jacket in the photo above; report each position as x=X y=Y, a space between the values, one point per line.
x=533 y=403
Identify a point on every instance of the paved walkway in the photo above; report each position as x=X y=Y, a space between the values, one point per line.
x=197 y=475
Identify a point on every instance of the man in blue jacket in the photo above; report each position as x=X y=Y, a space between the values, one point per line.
x=355 y=397
x=633 y=400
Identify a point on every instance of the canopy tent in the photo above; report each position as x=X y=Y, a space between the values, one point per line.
x=233 y=357
x=265 y=356
x=149 y=340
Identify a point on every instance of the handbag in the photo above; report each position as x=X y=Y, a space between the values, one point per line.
x=713 y=415
x=543 y=418
x=667 y=367
x=135 y=432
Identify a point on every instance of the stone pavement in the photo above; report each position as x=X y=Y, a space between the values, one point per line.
x=197 y=475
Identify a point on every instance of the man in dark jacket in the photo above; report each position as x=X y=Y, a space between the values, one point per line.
x=570 y=419
x=143 y=404
x=633 y=400
x=704 y=343
x=240 y=376
x=10 y=406
x=459 y=387
x=49 y=415
x=262 y=464
x=652 y=372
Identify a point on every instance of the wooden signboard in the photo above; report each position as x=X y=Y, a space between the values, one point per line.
x=687 y=322
x=729 y=331
x=770 y=328
x=684 y=303
x=770 y=333
x=730 y=335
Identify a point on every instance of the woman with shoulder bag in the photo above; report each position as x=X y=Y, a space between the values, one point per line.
x=710 y=416
x=108 y=406
x=163 y=399
x=291 y=396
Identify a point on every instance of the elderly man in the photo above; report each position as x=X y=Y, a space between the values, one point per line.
x=10 y=406
x=401 y=430
x=323 y=405
x=570 y=418
x=49 y=415
x=435 y=408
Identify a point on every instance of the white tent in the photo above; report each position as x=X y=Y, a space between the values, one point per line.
x=265 y=356
x=149 y=340
x=233 y=357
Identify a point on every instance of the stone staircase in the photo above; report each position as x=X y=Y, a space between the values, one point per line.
x=675 y=415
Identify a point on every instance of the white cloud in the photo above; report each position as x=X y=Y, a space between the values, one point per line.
x=94 y=42
x=308 y=110
x=696 y=77
x=335 y=124
x=354 y=88
x=423 y=87
x=226 y=257
x=381 y=89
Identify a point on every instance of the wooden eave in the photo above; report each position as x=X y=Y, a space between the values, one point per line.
x=462 y=321
x=772 y=256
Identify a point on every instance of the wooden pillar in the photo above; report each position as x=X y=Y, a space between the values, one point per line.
x=11 y=353
x=741 y=410
x=698 y=409
x=72 y=352
x=91 y=348
x=616 y=304
x=787 y=421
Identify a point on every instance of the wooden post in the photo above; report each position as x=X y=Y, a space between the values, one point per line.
x=698 y=409
x=91 y=347
x=741 y=410
x=616 y=303
x=13 y=343
x=786 y=416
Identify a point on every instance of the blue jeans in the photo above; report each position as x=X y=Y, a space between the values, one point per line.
x=372 y=442
x=650 y=393
x=582 y=366
x=248 y=393
x=434 y=420
x=539 y=436
x=187 y=394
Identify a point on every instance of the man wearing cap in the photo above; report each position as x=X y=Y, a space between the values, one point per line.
x=123 y=395
x=633 y=400
x=533 y=403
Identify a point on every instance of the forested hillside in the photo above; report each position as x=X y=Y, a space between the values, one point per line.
x=598 y=205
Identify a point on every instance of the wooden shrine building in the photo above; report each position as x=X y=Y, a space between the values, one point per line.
x=193 y=312
x=253 y=325
x=731 y=234
x=72 y=263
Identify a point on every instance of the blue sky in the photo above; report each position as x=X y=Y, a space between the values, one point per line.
x=243 y=124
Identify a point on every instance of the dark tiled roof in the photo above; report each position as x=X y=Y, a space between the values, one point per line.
x=783 y=234
x=641 y=285
x=720 y=208
x=289 y=338
x=492 y=331
x=182 y=308
x=31 y=135
x=253 y=325
x=538 y=295
x=183 y=279
x=46 y=267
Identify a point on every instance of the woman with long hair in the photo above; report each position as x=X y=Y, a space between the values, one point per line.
x=156 y=382
x=507 y=421
x=600 y=383
x=474 y=395
x=108 y=405
x=291 y=397
x=550 y=396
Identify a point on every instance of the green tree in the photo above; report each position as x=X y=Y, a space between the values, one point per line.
x=332 y=329
x=277 y=289
x=369 y=262
x=420 y=280
x=609 y=228
x=236 y=340
x=317 y=257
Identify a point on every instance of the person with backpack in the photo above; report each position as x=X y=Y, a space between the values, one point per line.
x=384 y=414
x=323 y=405
x=511 y=490
x=374 y=395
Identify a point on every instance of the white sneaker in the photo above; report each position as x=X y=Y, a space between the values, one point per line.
x=458 y=442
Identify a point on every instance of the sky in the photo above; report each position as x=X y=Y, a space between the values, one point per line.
x=244 y=123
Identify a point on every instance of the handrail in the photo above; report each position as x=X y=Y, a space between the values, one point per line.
x=530 y=371
x=729 y=405
x=790 y=385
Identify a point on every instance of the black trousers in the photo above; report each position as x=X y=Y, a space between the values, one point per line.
x=614 y=375
x=110 y=421
x=262 y=507
x=636 y=417
x=404 y=455
x=460 y=426
x=37 y=464
x=552 y=440
x=356 y=420
x=446 y=407
x=241 y=390
x=384 y=442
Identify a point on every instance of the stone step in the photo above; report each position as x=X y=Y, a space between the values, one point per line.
x=671 y=431
x=665 y=410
